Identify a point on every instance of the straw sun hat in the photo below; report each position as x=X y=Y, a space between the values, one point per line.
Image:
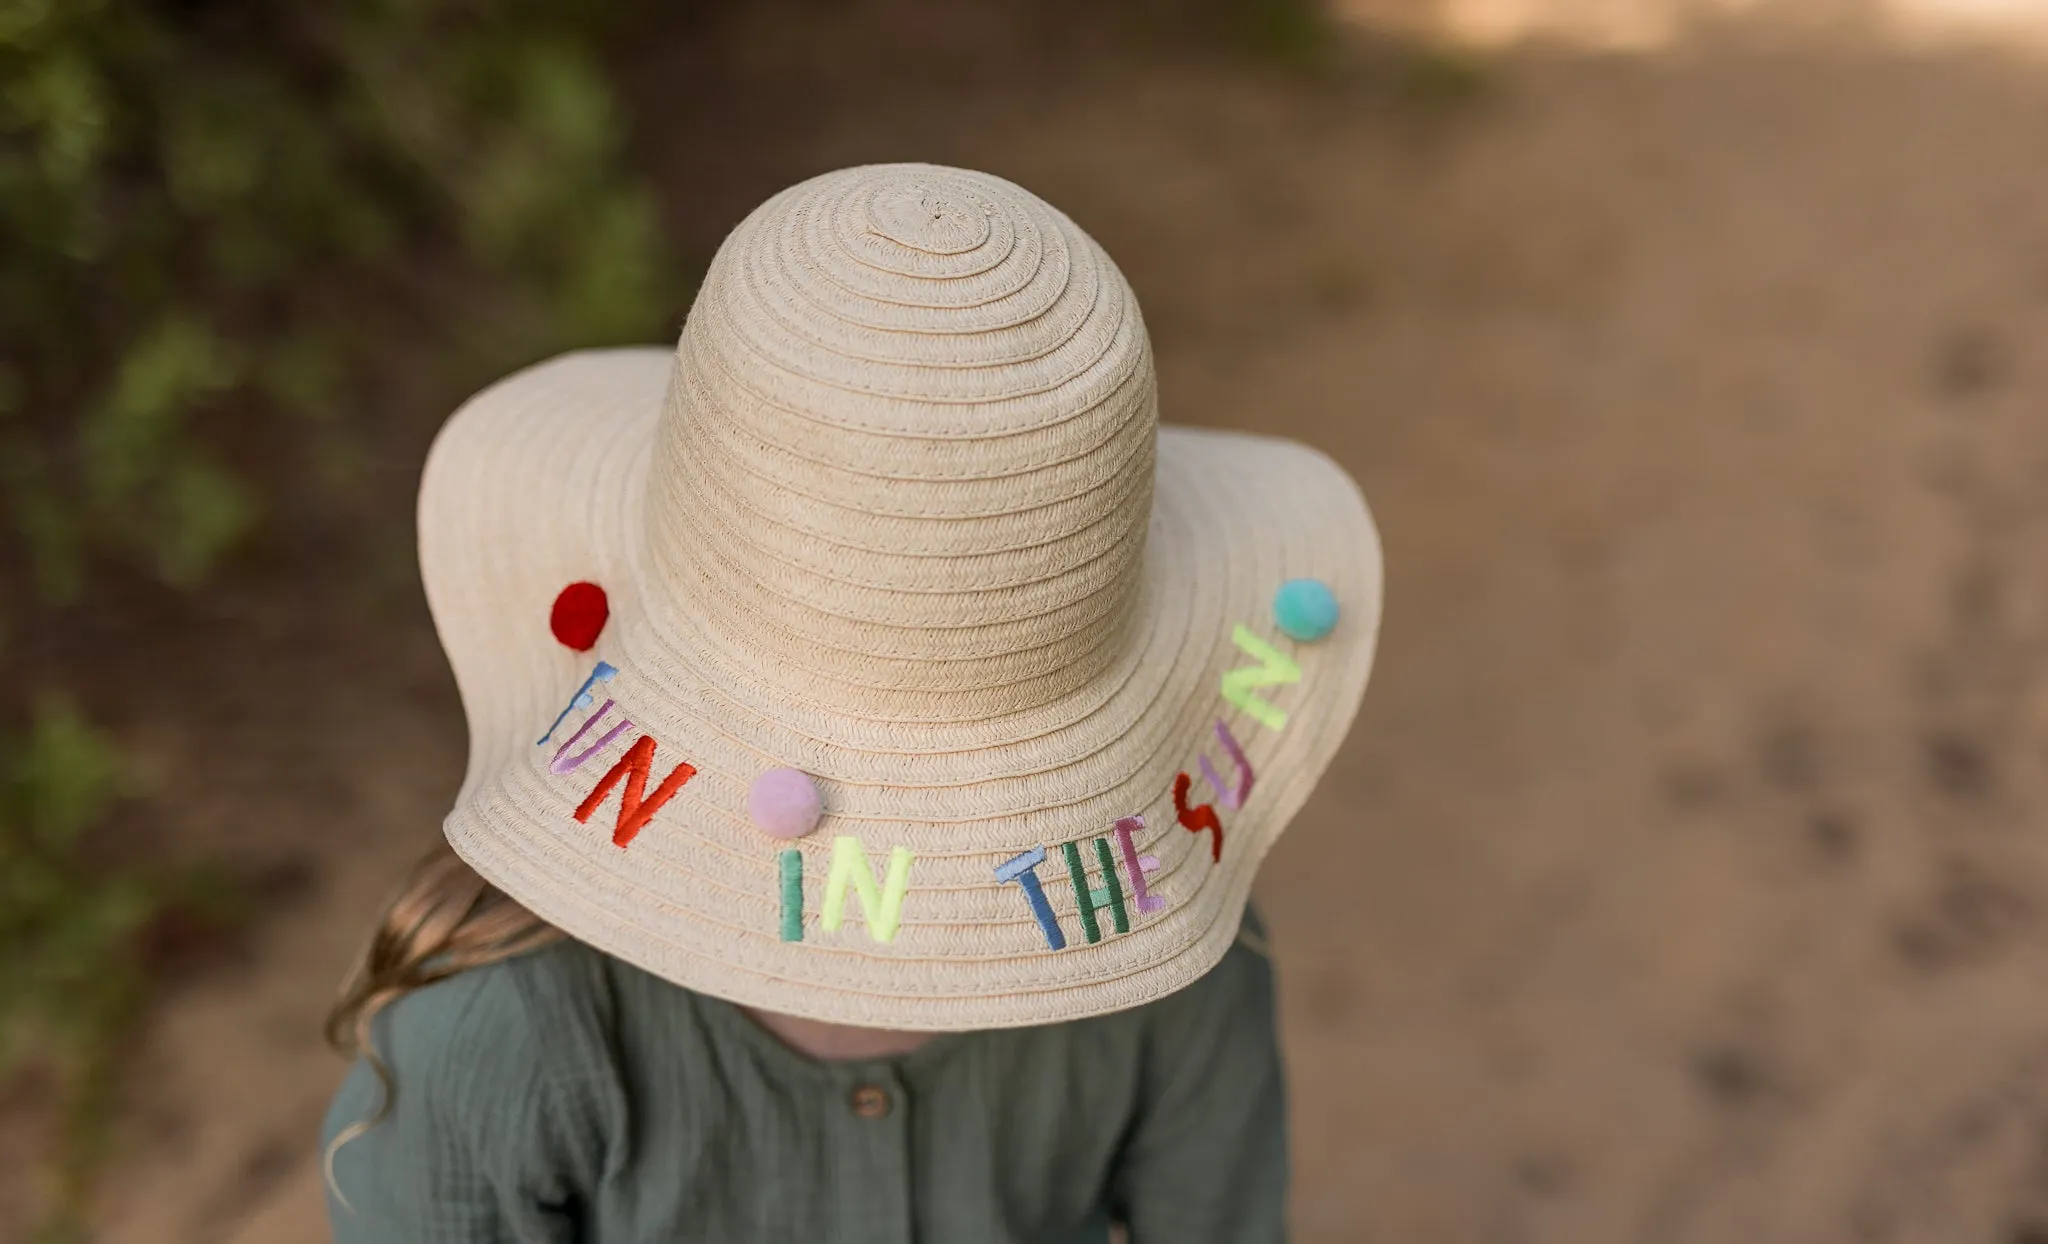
x=875 y=656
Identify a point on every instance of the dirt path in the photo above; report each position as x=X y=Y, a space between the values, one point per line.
x=1682 y=883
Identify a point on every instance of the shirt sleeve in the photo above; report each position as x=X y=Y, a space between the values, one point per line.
x=469 y=1152
x=1206 y=1160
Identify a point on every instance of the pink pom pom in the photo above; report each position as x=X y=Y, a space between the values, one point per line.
x=784 y=803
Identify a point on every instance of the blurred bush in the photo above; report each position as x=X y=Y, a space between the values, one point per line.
x=208 y=207
x=74 y=934
x=202 y=201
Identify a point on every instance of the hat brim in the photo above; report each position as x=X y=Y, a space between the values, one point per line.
x=537 y=483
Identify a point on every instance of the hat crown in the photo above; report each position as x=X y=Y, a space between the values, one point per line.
x=905 y=467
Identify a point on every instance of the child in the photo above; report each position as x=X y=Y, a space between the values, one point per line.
x=876 y=719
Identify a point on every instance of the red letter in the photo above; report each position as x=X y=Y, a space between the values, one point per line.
x=634 y=809
x=1197 y=818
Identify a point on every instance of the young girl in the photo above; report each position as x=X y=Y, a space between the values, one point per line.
x=876 y=720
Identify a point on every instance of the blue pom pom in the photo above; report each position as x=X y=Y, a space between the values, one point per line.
x=1306 y=609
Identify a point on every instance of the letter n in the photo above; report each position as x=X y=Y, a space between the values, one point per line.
x=636 y=806
x=883 y=908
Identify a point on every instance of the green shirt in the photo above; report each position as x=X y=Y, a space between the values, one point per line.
x=566 y=1096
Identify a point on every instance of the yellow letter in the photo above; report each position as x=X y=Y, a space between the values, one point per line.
x=1274 y=669
x=883 y=910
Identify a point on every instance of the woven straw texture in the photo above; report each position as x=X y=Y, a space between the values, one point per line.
x=897 y=512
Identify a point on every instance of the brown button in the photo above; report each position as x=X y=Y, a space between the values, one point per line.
x=870 y=1102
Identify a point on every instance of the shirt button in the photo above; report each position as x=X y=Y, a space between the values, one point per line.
x=870 y=1101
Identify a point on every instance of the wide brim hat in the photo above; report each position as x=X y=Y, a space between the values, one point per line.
x=875 y=656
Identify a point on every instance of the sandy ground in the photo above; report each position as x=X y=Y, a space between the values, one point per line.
x=1682 y=881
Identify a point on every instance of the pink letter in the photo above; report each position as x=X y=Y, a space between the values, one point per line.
x=1229 y=798
x=564 y=763
x=1122 y=829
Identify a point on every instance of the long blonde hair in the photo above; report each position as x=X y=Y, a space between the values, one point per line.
x=445 y=919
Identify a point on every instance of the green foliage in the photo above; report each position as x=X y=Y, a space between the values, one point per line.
x=201 y=199
x=72 y=926
x=1444 y=79
x=215 y=213
x=1295 y=34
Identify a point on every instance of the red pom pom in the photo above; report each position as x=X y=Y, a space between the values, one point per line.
x=579 y=615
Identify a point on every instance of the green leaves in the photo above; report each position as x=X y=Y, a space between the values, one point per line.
x=65 y=926
x=172 y=367
x=74 y=923
x=150 y=479
x=201 y=205
x=186 y=189
x=139 y=477
x=55 y=783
